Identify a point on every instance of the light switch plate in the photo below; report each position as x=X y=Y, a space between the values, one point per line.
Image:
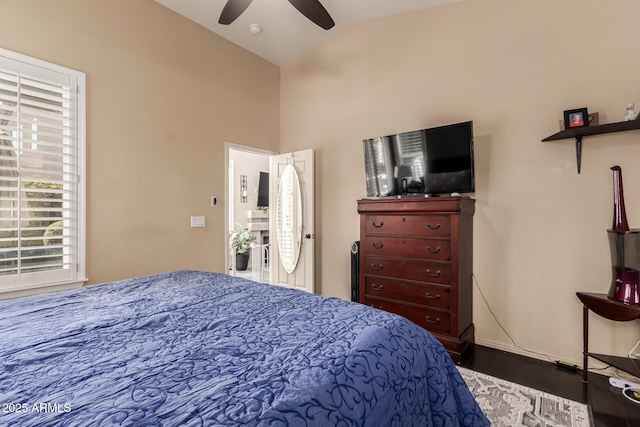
x=197 y=222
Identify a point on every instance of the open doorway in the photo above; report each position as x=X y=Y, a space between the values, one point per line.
x=248 y=208
x=244 y=164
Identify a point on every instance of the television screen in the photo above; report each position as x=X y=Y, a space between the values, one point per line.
x=263 y=190
x=430 y=161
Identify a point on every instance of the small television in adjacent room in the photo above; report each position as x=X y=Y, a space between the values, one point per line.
x=263 y=190
x=431 y=161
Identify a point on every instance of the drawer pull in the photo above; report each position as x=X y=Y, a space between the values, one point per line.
x=377 y=287
x=429 y=273
x=378 y=307
x=438 y=225
x=377 y=225
x=378 y=267
x=378 y=245
x=428 y=295
x=438 y=249
x=433 y=321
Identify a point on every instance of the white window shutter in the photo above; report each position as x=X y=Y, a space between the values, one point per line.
x=42 y=226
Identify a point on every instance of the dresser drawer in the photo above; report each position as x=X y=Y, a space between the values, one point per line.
x=408 y=225
x=411 y=269
x=409 y=247
x=409 y=291
x=431 y=320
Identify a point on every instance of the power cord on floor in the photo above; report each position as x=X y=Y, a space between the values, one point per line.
x=502 y=327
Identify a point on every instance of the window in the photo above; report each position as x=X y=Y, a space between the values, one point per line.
x=42 y=163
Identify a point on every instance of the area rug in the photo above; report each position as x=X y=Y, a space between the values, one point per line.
x=510 y=404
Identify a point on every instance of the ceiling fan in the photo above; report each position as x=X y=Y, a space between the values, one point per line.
x=312 y=9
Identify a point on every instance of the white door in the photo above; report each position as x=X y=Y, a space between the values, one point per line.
x=303 y=276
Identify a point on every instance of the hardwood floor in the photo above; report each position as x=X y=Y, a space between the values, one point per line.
x=608 y=406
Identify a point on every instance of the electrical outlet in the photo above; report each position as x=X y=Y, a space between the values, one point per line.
x=197 y=222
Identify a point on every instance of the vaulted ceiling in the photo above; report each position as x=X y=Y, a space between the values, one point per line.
x=285 y=32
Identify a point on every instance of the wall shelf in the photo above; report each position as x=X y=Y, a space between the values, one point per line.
x=579 y=133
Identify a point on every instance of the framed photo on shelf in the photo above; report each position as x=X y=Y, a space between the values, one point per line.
x=594 y=120
x=578 y=118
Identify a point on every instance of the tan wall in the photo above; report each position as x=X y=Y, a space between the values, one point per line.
x=164 y=95
x=512 y=67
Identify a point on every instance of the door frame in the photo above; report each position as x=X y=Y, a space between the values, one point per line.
x=229 y=194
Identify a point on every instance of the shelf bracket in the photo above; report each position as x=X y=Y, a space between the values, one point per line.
x=579 y=150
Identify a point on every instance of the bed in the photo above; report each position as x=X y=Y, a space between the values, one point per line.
x=192 y=348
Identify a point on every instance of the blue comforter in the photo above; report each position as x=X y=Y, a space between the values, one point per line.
x=191 y=348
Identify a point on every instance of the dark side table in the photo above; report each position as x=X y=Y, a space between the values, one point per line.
x=612 y=310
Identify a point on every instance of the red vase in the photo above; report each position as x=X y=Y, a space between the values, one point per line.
x=620 y=224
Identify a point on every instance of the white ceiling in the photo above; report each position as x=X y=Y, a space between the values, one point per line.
x=286 y=32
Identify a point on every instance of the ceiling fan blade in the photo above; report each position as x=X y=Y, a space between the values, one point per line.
x=316 y=13
x=232 y=10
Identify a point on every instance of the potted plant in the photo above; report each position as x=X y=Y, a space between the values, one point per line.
x=240 y=241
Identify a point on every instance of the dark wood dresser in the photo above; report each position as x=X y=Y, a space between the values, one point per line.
x=416 y=260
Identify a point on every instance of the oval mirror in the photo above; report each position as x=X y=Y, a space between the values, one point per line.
x=289 y=218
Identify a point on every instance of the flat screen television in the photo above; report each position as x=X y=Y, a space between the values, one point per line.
x=263 y=190
x=431 y=161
